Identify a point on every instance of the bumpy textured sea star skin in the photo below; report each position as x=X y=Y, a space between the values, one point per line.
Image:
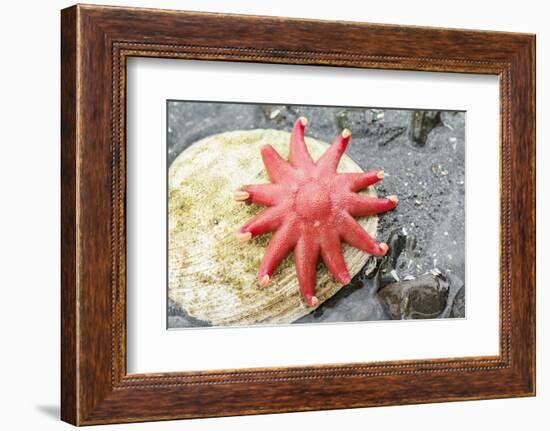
x=311 y=209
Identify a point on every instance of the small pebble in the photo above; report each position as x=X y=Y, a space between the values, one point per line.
x=273 y=114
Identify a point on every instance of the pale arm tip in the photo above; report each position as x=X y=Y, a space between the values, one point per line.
x=241 y=195
x=264 y=281
x=243 y=236
x=313 y=301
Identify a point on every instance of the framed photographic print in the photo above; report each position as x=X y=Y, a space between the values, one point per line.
x=258 y=216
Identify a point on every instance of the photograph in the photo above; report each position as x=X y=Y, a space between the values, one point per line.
x=281 y=214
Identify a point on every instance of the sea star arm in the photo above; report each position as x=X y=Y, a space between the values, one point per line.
x=329 y=161
x=268 y=220
x=282 y=243
x=332 y=255
x=261 y=194
x=358 y=180
x=306 y=254
x=352 y=233
x=360 y=206
x=278 y=169
x=298 y=153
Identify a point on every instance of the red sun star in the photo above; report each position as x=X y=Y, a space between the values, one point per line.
x=311 y=208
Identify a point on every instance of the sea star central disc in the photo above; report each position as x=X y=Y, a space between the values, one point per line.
x=312 y=201
x=310 y=209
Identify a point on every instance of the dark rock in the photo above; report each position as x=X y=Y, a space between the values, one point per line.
x=459 y=304
x=371 y=267
x=178 y=317
x=423 y=122
x=398 y=261
x=421 y=298
x=387 y=275
x=401 y=250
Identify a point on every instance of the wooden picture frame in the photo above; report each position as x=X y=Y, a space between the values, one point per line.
x=96 y=41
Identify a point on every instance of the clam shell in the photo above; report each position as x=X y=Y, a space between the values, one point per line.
x=211 y=275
